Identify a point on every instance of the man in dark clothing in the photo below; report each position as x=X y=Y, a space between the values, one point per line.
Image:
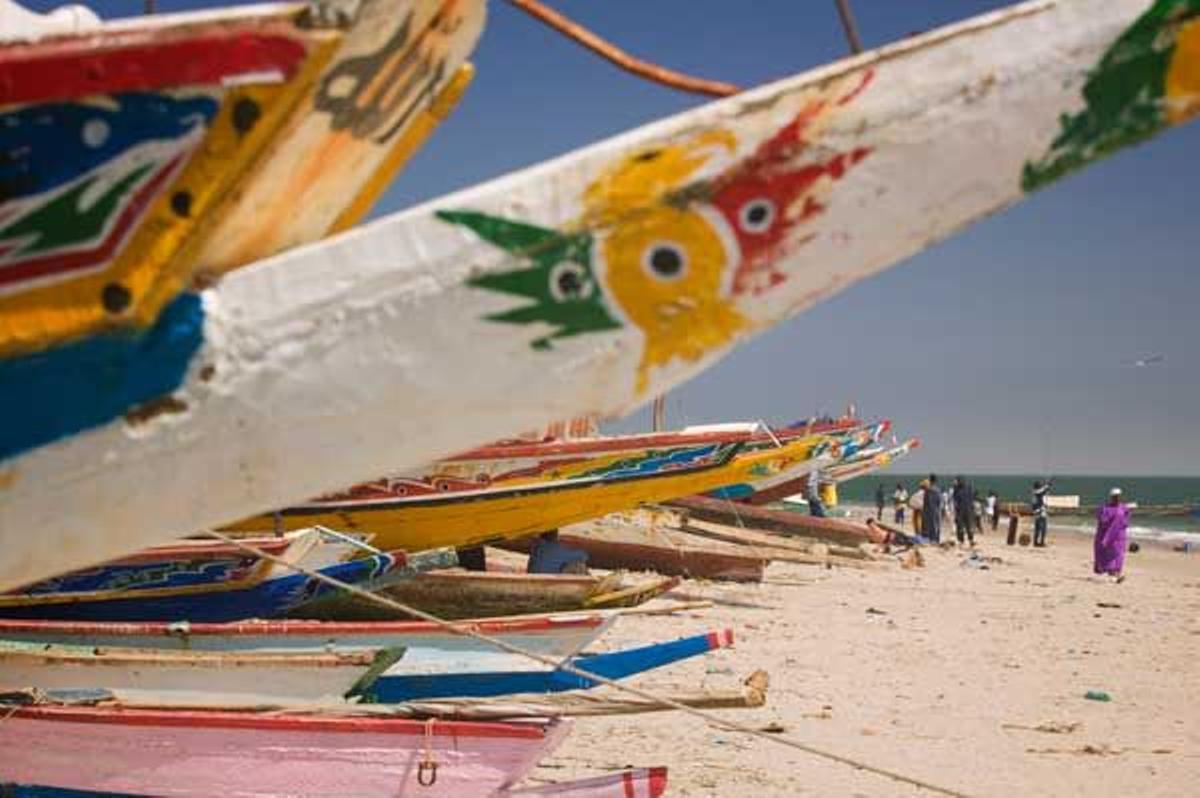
x=879 y=502
x=549 y=556
x=931 y=511
x=813 y=494
x=964 y=508
x=1040 y=511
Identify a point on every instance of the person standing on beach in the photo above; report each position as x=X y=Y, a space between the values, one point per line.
x=916 y=503
x=899 y=502
x=993 y=509
x=931 y=511
x=964 y=503
x=813 y=494
x=1041 y=513
x=1112 y=536
x=879 y=502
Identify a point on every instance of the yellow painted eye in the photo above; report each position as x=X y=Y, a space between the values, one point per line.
x=756 y=215
x=570 y=281
x=665 y=260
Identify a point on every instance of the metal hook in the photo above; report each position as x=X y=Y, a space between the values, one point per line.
x=429 y=767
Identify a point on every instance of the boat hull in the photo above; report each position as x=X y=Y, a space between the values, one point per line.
x=284 y=376
x=207 y=753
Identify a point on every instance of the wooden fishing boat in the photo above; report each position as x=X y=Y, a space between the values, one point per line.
x=459 y=594
x=552 y=633
x=631 y=783
x=263 y=594
x=219 y=137
x=855 y=464
x=204 y=753
x=558 y=288
x=398 y=515
x=836 y=448
x=615 y=543
x=834 y=530
x=245 y=675
x=393 y=688
x=198 y=563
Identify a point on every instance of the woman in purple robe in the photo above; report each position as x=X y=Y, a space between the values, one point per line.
x=1112 y=524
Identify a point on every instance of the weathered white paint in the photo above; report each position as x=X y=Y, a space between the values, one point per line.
x=343 y=360
x=297 y=676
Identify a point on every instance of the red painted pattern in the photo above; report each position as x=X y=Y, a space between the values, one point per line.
x=75 y=260
x=764 y=198
x=218 y=719
x=720 y=639
x=658 y=782
x=204 y=550
x=142 y=60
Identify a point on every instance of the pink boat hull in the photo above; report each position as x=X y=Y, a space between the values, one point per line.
x=207 y=753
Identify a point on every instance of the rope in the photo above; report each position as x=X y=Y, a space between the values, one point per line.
x=643 y=69
x=728 y=725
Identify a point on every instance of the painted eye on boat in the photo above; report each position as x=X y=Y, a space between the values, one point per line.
x=757 y=215
x=665 y=260
x=569 y=281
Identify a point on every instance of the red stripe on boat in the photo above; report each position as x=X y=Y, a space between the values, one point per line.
x=721 y=639
x=90 y=65
x=101 y=254
x=658 y=782
x=217 y=719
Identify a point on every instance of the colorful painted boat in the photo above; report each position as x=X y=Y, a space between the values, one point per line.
x=197 y=564
x=392 y=688
x=196 y=675
x=632 y=783
x=203 y=753
x=264 y=594
x=553 y=633
x=398 y=515
x=853 y=464
x=457 y=594
x=427 y=648
x=614 y=543
x=838 y=447
x=589 y=284
x=146 y=154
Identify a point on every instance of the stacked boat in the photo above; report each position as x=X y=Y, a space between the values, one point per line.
x=153 y=386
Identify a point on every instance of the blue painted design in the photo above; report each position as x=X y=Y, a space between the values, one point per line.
x=657 y=463
x=390 y=689
x=146 y=575
x=53 y=394
x=267 y=599
x=739 y=491
x=47 y=145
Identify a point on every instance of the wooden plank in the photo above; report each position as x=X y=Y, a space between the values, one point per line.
x=594 y=282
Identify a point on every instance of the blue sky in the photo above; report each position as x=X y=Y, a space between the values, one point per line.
x=1006 y=349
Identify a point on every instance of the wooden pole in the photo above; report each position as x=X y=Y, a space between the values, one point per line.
x=849 y=26
x=659 y=422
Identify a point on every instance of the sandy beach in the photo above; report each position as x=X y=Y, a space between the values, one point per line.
x=971 y=679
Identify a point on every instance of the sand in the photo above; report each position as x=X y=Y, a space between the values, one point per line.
x=944 y=673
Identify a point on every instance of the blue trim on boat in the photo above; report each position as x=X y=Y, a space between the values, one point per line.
x=268 y=599
x=391 y=689
x=50 y=395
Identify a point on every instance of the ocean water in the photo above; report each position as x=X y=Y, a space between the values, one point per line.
x=1151 y=494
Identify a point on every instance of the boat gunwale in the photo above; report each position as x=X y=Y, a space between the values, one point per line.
x=260 y=720
x=289 y=627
